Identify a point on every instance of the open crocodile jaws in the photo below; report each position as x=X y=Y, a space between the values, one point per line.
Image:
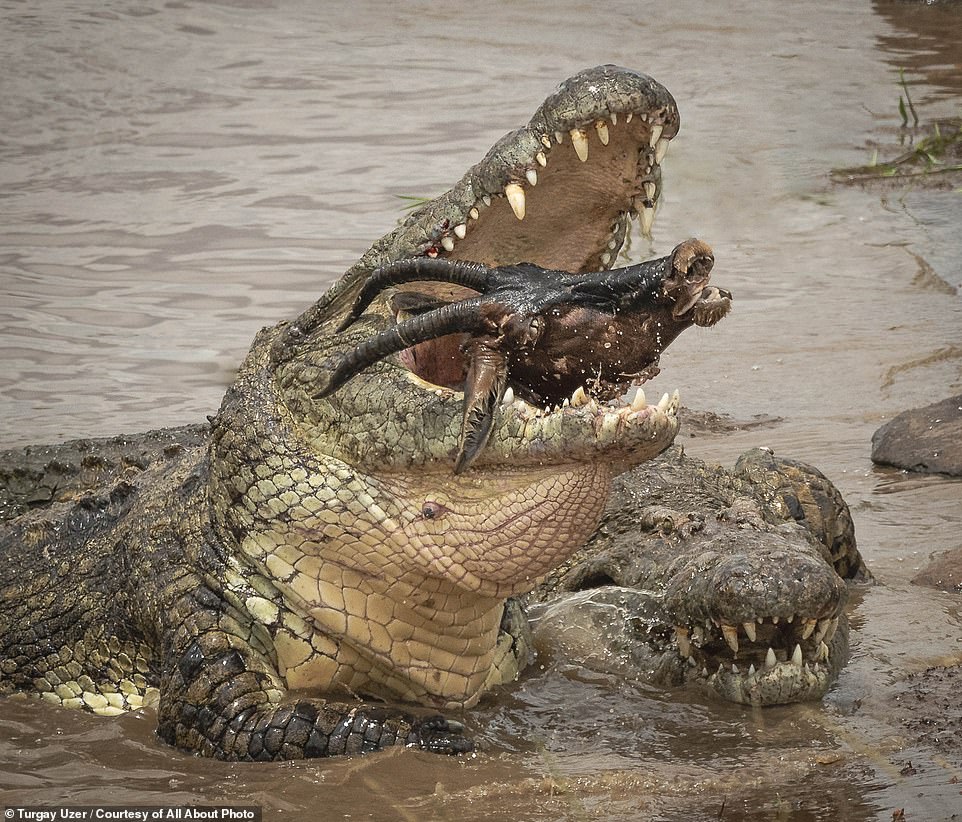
x=350 y=506
x=325 y=543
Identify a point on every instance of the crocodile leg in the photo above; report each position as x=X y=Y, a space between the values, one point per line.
x=222 y=697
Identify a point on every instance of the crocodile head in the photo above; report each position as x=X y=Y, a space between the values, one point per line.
x=349 y=500
x=732 y=582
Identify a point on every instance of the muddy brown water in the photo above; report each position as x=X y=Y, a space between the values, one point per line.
x=175 y=175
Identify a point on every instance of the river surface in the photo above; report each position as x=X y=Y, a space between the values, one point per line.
x=173 y=176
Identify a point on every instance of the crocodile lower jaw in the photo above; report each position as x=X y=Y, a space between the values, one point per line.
x=769 y=661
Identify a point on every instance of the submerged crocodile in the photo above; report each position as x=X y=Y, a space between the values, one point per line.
x=356 y=521
x=732 y=580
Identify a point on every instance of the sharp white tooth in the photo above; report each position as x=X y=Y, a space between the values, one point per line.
x=663 y=405
x=832 y=628
x=602 y=128
x=734 y=669
x=808 y=627
x=515 y=195
x=609 y=424
x=751 y=670
x=628 y=116
x=797 y=656
x=580 y=141
x=821 y=655
x=730 y=632
x=823 y=626
x=770 y=660
x=606 y=259
x=661 y=150
x=579 y=397
x=486 y=199
x=460 y=230
x=474 y=214
x=647 y=220
x=655 y=135
x=508 y=397
x=541 y=158
x=684 y=644
x=790 y=618
x=704 y=671
x=649 y=190
x=447 y=243
x=638 y=402
x=546 y=141
x=774 y=620
x=559 y=136
x=675 y=403
x=749 y=630
x=532 y=176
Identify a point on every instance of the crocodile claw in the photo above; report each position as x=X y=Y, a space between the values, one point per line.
x=439 y=735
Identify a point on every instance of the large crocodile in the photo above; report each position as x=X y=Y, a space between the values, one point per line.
x=325 y=543
x=337 y=542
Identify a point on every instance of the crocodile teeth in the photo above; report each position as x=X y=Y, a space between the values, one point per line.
x=649 y=190
x=606 y=259
x=730 y=632
x=663 y=404
x=661 y=150
x=486 y=199
x=628 y=116
x=460 y=230
x=532 y=176
x=447 y=243
x=515 y=195
x=749 y=630
x=580 y=141
x=751 y=670
x=797 y=656
x=823 y=628
x=542 y=160
x=647 y=220
x=770 y=660
x=821 y=653
x=684 y=644
x=638 y=402
x=579 y=397
x=808 y=628
x=474 y=213
x=655 y=135
x=559 y=136
x=508 y=397
x=602 y=128
x=546 y=141
x=832 y=628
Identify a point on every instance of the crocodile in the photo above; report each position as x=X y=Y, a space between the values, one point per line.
x=734 y=581
x=331 y=566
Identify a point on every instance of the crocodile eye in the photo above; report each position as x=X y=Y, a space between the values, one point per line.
x=431 y=510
